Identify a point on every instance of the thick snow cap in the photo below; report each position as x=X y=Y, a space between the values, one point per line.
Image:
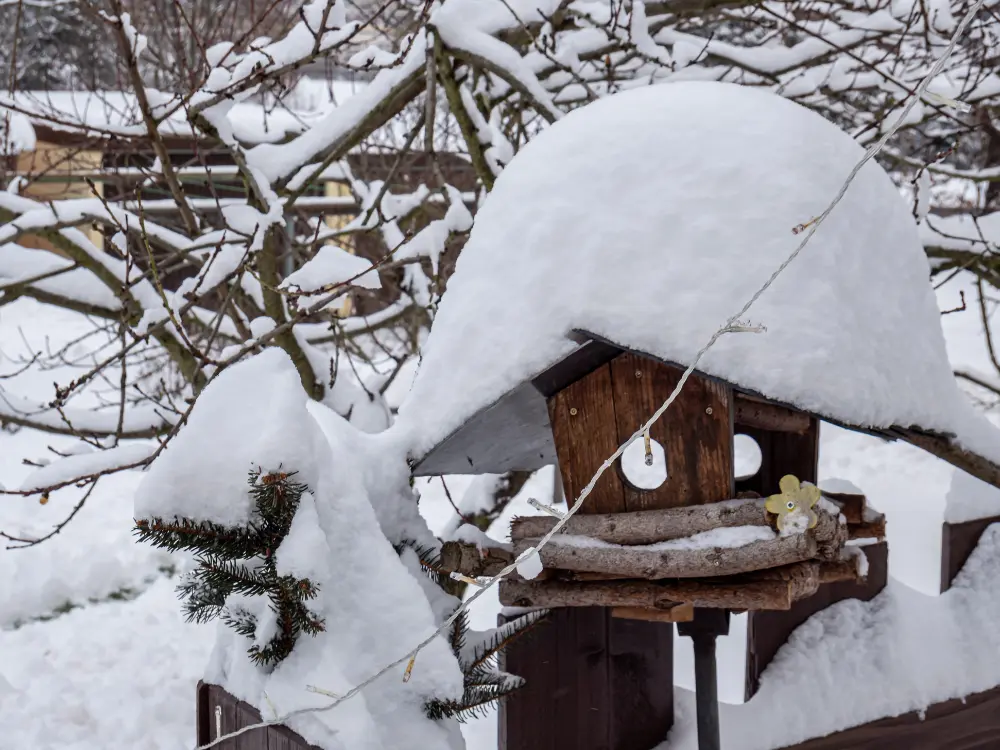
x=649 y=218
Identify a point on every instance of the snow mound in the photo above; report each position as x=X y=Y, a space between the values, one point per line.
x=648 y=218
x=374 y=608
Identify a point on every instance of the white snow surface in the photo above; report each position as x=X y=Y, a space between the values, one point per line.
x=372 y=605
x=838 y=486
x=648 y=218
x=970 y=499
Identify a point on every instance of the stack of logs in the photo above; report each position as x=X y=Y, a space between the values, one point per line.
x=620 y=565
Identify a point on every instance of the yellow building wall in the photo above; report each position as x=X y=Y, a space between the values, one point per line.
x=58 y=173
x=339 y=221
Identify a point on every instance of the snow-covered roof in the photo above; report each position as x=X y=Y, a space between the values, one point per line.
x=650 y=217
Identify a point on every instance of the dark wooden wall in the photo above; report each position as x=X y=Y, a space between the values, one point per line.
x=594 y=682
x=958 y=540
x=969 y=724
x=235 y=715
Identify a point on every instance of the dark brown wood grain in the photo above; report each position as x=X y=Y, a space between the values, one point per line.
x=583 y=426
x=695 y=432
x=958 y=540
x=237 y=714
x=873 y=527
x=768 y=631
x=756 y=412
x=852 y=506
x=972 y=723
x=593 y=682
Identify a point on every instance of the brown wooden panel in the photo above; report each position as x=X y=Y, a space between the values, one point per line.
x=767 y=631
x=972 y=724
x=237 y=714
x=592 y=683
x=958 y=540
x=583 y=425
x=641 y=682
x=202 y=730
x=230 y=721
x=695 y=432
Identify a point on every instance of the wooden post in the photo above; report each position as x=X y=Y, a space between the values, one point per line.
x=595 y=681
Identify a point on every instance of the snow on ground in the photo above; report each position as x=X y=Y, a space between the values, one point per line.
x=118 y=675
x=93 y=556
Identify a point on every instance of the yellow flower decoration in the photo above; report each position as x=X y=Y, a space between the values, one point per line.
x=794 y=497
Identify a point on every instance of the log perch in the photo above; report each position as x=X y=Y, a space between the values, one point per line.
x=774 y=589
x=873 y=527
x=852 y=506
x=843 y=570
x=647 y=595
x=651 y=563
x=471 y=560
x=647 y=526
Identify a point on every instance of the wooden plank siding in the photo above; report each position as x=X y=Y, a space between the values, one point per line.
x=237 y=714
x=971 y=723
x=593 y=682
x=958 y=541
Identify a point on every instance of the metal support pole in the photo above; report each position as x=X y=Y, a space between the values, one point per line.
x=706 y=691
x=707 y=625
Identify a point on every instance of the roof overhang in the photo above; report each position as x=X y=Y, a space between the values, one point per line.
x=514 y=433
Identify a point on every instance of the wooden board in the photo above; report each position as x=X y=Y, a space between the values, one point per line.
x=593 y=682
x=237 y=714
x=768 y=631
x=972 y=724
x=958 y=540
x=583 y=426
x=695 y=432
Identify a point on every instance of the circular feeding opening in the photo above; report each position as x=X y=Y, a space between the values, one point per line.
x=637 y=472
x=746 y=456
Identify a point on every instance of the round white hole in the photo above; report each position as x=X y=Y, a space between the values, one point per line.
x=746 y=456
x=634 y=467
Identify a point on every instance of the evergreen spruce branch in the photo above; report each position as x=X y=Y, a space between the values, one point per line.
x=185 y=534
x=232 y=576
x=475 y=701
x=202 y=603
x=429 y=559
x=486 y=652
x=240 y=620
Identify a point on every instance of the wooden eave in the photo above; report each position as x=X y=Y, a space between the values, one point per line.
x=514 y=432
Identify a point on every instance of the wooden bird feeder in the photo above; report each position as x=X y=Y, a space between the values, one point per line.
x=631 y=562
